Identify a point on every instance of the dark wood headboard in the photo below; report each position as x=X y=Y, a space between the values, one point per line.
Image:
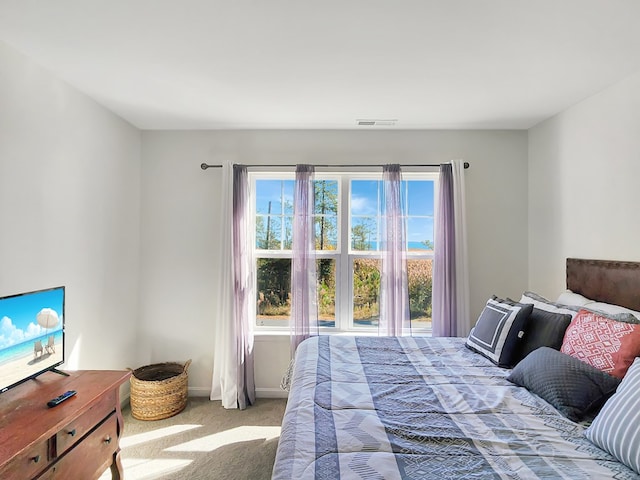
x=607 y=281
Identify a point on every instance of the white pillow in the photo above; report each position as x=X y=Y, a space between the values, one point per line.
x=575 y=299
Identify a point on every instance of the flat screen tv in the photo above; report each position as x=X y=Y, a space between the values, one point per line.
x=31 y=335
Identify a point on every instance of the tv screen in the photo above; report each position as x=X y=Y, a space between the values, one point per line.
x=31 y=335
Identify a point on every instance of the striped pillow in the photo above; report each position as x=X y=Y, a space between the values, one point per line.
x=615 y=429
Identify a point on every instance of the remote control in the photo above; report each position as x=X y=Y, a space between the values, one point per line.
x=58 y=400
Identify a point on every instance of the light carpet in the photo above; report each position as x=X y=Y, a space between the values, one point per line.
x=205 y=441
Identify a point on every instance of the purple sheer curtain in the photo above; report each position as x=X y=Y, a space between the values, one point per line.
x=444 y=267
x=394 y=290
x=233 y=379
x=450 y=275
x=242 y=287
x=304 y=305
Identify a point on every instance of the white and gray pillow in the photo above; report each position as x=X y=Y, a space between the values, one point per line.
x=498 y=331
x=615 y=428
x=576 y=300
x=542 y=303
x=613 y=312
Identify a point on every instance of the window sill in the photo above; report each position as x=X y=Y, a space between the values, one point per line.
x=264 y=334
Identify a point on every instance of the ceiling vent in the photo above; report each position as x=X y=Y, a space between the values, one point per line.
x=375 y=122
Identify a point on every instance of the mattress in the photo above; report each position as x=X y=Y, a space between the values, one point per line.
x=423 y=408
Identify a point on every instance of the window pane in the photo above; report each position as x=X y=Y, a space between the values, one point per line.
x=420 y=197
x=326 y=214
x=420 y=276
x=326 y=233
x=365 y=197
x=261 y=230
x=287 y=196
x=274 y=200
x=364 y=233
x=326 y=197
x=288 y=233
x=268 y=232
x=273 y=306
x=420 y=233
x=366 y=291
x=326 y=271
x=269 y=196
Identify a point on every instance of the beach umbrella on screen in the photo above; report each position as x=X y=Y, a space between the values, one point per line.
x=47 y=318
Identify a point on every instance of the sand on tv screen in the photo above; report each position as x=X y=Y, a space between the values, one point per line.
x=31 y=335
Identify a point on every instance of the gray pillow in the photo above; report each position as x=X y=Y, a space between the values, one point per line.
x=574 y=388
x=542 y=329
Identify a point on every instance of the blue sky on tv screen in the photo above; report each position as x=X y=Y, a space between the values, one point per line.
x=18 y=315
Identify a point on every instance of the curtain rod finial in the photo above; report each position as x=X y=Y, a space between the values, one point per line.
x=204 y=166
x=466 y=164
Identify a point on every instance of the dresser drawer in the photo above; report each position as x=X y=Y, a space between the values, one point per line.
x=27 y=464
x=90 y=458
x=78 y=428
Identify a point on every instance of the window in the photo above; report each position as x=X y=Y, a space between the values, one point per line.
x=348 y=225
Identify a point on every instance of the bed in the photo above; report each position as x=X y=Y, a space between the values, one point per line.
x=427 y=408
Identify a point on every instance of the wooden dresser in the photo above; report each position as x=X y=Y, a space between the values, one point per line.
x=78 y=439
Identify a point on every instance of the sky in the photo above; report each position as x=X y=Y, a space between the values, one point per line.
x=18 y=315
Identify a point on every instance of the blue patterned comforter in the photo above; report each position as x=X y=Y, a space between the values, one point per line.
x=423 y=408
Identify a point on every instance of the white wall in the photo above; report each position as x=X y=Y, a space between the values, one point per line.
x=137 y=248
x=584 y=171
x=69 y=204
x=180 y=218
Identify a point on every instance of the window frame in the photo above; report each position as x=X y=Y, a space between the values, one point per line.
x=343 y=255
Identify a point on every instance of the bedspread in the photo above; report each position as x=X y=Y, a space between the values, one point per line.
x=423 y=408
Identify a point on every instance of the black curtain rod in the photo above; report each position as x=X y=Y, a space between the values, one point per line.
x=204 y=166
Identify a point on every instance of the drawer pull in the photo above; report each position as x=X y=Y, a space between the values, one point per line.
x=107 y=440
x=72 y=432
x=36 y=459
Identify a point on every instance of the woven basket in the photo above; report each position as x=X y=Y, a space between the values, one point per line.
x=159 y=391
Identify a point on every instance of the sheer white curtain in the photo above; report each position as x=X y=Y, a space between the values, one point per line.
x=304 y=304
x=233 y=377
x=450 y=272
x=394 y=286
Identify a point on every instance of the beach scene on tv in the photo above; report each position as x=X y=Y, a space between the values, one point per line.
x=31 y=328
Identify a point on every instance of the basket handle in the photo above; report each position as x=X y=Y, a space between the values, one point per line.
x=186 y=365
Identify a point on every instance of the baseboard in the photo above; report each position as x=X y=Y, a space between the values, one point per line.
x=271 y=393
x=198 y=391
x=260 y=392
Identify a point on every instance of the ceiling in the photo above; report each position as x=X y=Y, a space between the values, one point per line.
x=208 y=64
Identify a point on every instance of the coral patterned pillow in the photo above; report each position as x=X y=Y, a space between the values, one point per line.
x=603 y=343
